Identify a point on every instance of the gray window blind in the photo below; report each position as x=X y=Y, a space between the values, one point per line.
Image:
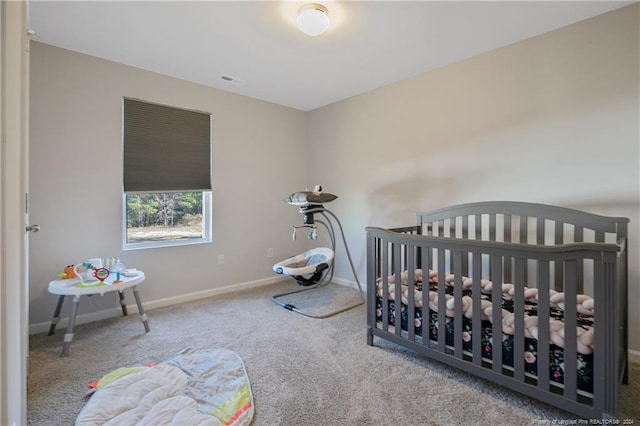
x=165 y=148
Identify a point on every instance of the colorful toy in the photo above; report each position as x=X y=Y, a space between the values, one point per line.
x=86 y=273
x=92 y=272
x=101 y=274
x=67 y=273
x=118 y=268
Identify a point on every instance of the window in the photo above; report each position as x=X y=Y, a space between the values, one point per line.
x=167 y=175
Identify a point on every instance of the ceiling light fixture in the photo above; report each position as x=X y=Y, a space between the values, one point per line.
x=313 y=19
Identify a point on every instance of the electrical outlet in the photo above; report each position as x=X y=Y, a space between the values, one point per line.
x=270 y=252
x=220 y=259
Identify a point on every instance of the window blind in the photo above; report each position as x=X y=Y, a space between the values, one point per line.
x=165 y=148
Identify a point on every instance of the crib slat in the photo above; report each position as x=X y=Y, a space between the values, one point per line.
x=559 y=233
x=385 y=286
x=570 y=328
x=371 y=281
x=457 y=295
x=519 y=281
x=496 y=301
x=558 y=239
x=578 y=237
x=465 y=227
x=506 y=235
x=492 y=227
x=411 y=305
x=540 y=231
x=465 y=235
x=506 y=230
x=478 y=232
x=518 y=308
x=544 y=286
x=378 y=251
x=524 y=231
x=442 y=319
x=578 y=234
x=397 y=290
x=476 y=325
x=392 y=256
x=524 y=239
x=426 y=263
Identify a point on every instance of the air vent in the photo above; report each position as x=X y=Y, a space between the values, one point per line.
x=232 y=80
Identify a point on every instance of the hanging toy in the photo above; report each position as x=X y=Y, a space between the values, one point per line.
x=101 y=274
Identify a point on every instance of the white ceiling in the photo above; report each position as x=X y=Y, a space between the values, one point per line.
x=369 y=44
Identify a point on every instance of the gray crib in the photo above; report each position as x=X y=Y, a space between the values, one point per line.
x=442 y=286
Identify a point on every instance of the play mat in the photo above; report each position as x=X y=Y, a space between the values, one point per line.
x=197 y=387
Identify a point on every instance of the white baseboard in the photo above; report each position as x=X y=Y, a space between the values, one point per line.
x=161 y=303
x=153 y=304
x=634 y=356
x=349 y=283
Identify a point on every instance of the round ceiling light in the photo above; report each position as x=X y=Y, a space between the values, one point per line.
x=313 y=19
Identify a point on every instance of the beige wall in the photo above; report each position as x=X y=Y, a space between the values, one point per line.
x=76 y=180
x=553 y=119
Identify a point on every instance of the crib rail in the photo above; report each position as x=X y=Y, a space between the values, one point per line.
x=559 y=267
x=545 y=215
x=526 y=223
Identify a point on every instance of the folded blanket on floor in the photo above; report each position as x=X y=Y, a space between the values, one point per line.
x=197 y=387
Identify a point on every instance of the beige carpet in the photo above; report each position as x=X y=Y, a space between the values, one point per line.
x=303 y=371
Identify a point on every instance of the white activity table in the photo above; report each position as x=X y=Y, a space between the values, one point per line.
x=70 y=287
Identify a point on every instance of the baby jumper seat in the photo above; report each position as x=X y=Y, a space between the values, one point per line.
x=313 y=262
x=313 y=269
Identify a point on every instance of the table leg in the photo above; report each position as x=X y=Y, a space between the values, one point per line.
x=68 y=337
x=143 y=316
x=56 y=316
x=123 y=304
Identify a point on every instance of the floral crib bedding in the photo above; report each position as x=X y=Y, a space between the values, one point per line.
x=556 y=351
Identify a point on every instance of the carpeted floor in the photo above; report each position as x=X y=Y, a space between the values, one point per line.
x=303 y=371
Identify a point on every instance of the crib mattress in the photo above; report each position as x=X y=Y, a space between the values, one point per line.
x=430 y=327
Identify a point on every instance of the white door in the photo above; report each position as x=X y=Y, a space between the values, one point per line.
x=14 y=113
